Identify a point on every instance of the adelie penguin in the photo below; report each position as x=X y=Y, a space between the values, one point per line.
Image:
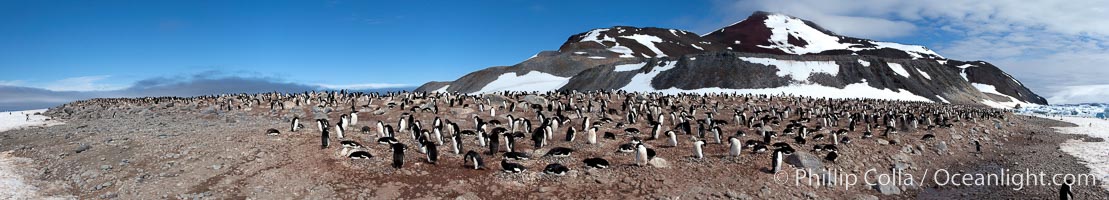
x=735 y=147
x=570 y=134
x=324 y=139
x=511 y=167
x=398 y=155
x=432 y=152
x=776 y=163
x=673 y=138
x=272 y=132
x=832 y=156
x=697 y=152
x=599 y=163
x=626 y=148
x=977 y=146
x=641 y=158
x=556 y=169
x=474 y=160
x=516 y=156
x=350 y=144
x=1065 y=190
x=494 y=143
x=456 y=143
x=560 y=152
x=359 y=154
x=295 y=125
x=387 y=140
x=928 y=137
x=591 y=135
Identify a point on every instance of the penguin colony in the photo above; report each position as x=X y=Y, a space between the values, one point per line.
x=540 y=132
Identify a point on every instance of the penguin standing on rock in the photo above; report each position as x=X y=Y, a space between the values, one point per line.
x=398 y=155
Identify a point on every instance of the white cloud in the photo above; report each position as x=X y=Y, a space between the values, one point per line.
x=1048 y=45
x=1080 y=94
x=11 y=83
x=82 y=83
x=363 y=86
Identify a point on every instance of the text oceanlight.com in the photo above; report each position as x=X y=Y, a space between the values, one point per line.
x=940 y=177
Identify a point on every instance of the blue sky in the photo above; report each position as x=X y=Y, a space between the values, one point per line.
x=312 y=42
x=110 y=45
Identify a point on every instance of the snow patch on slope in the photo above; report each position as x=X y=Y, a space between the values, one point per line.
x=782 y=27
x=629 y=67
x=899 y=69
x=442 y=89
x=963 y=71
x=865 y=63
x=531 y=81
x=925 y=74
x=987 y=88
x=798 y=70
x=642 y=82
x=914 y=51
x=856 y=90
x=648 y=41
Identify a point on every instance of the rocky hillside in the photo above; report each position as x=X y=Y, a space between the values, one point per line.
x=766 y=53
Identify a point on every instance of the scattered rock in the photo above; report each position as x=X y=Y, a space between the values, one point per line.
x=110 y=195
x=535 y=99
x=941 y=147
x=864 y=197
x=105 y=167
x=1093 y=139
x=83 y=148
x=659 y=163
x=805 y=160
x=883 y=142
x=901 y=166
x=888 y=189
x=103 y=185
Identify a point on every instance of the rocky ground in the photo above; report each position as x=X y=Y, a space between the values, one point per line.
x=193 y=151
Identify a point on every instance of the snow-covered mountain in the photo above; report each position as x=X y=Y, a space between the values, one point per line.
x=766 y=53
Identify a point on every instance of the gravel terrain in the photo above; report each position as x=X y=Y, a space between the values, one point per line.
x=202 y=151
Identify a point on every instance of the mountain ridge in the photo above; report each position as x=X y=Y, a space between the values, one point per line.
x=765 y=53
